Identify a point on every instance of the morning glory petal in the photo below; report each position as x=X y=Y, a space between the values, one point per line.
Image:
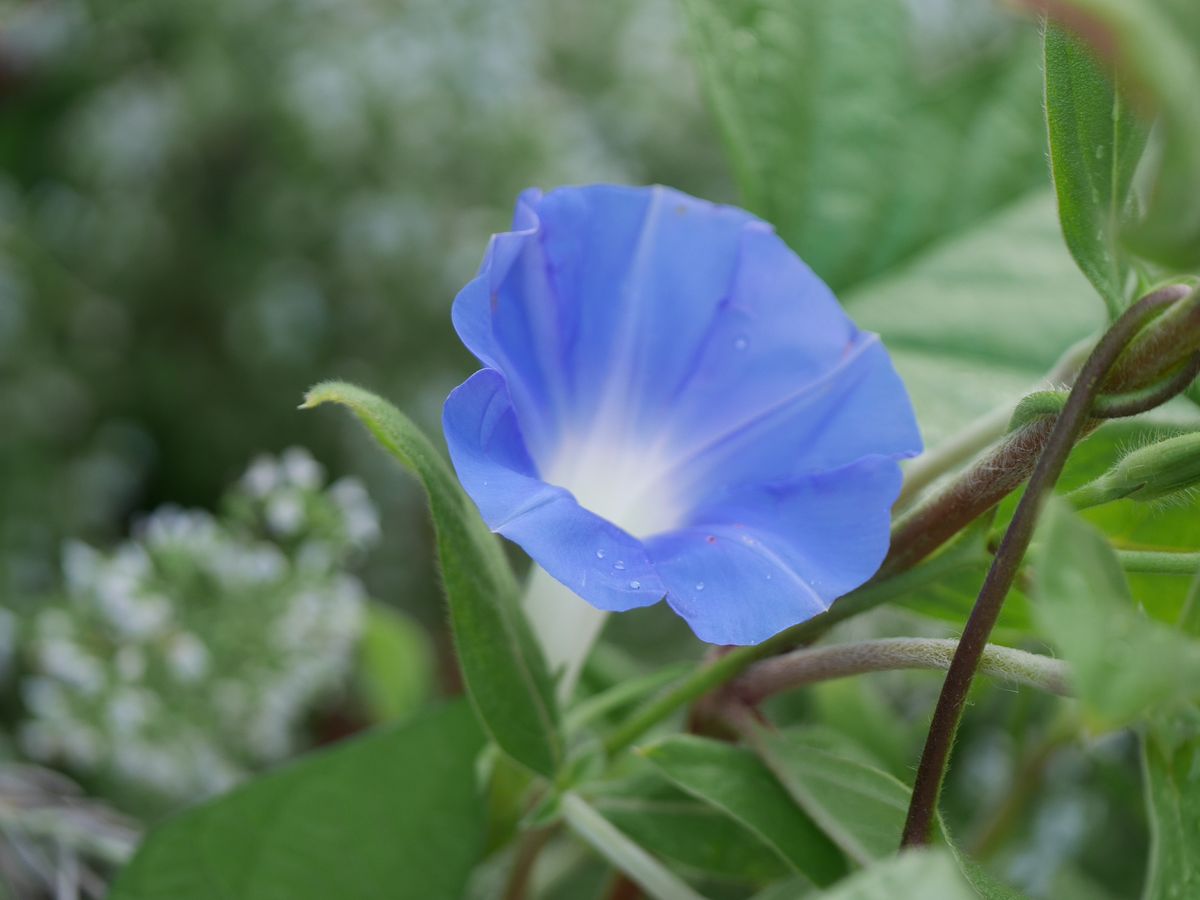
x=603 y=564
x=778 y=554
x=661 y=370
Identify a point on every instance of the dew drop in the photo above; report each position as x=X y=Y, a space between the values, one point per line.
x=599 y=554
x=699 y=585
x=635 y=584
x=619 y=565
x=769 y=576
x=741 y=343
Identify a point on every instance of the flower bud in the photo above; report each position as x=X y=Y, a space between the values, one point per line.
x=1149 y=473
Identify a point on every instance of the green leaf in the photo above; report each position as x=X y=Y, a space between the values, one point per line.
x=648 y=873
x=913 y=875
x=860 y=807
x=502 y=666
x=958 y=322
x=734 y=780
x=951 y=599
x=986 y=885
x=394 y=814
x=674 y=825
x=1171 y=767
x=792 y=888
x=1123 y=663
x=1095 y=145
x=824 y=103
x=1155 y=45
x=395 y=664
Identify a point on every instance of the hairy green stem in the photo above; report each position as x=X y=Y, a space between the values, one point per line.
x=1066 y=429
x=808 y=666
x=1155 y=562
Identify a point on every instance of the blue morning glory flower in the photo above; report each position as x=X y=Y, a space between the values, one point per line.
x=673 y=406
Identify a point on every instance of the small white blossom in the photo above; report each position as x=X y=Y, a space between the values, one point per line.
x=285 y=513
x=262 y=477
x=301 y=470
x=187 y=657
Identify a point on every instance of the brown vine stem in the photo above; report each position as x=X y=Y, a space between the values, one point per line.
x=1063 y=433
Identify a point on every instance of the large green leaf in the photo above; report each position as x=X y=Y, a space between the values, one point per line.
x=976 y=321
x=734 y=780
x=502 y=666
x=674 y=825
x=1123 y=663
x=1155 y=44
x=1095 y=144
x=913 y=875
x=864 y=135
x=391 y=815
x=860 y=807
x=1171 y=766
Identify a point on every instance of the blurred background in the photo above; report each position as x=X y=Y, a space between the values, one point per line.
x=206 y=207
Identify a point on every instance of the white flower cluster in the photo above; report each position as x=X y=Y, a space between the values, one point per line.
x=188 y=656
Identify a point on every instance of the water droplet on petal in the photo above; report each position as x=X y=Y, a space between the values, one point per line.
x=769 y=576
x=599 y=554
x=699 y=585
x=635 y=584
x=741 y=343
x=619 y=565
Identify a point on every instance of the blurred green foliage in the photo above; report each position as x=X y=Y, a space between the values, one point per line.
x=205 y=208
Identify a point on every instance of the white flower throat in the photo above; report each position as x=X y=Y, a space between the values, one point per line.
x=625 y=483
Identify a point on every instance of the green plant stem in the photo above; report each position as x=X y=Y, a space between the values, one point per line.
x=644 y=870
x=808 y=666
x=526 y=857
x=731 y=664
x=1155 y=562
x=1050 y=462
